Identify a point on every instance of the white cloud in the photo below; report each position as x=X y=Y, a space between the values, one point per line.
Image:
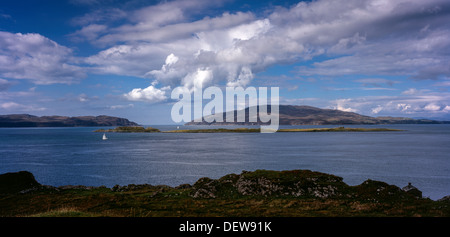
x=85 y=98
x=414 y=91
x=197 y=79
x=389 y=39
x=244 y=78
x=432 y=107
x=422 y=104
x=377 y=109
x=364 y=37
x=38 y=59
x=410 y=91
x=374 y=37
x=344 y=105
x=403 y=107
x=114 y=107
x=13 y=106
x=149 y=94
x=90 y=32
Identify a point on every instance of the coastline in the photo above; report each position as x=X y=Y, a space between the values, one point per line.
x=138 y=129
x=260 y=193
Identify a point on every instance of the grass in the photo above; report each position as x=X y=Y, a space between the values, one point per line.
x=64 y=212
x=129 y=205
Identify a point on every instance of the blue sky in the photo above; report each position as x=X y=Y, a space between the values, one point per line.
x=123 y=58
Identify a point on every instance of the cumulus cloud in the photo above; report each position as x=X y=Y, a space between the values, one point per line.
x=344 y=105
x=377 y=109
x=229 y=48
x=391 y=38
x=169 y=44
x=432 y=107
x=382 y=37
x=425 y=103
x=38 y=59
x=114 y=107
x=149 y=94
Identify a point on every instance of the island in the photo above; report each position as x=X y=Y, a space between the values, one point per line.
x=257 y=130
x=26 y=120
x=129 y=129
x=308 y=115
x=138 y=129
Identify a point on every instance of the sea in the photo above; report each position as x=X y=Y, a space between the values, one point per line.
x=420 y=155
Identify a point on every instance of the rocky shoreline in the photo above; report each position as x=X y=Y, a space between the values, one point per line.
x=280 y=190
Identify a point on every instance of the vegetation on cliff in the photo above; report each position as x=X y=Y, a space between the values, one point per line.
x=261 y=193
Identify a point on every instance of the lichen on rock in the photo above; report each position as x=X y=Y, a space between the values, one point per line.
x=296 y=183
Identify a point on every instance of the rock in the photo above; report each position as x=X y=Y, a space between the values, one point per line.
x=130 y=187
x=296 y=183
x=205 y=188
x=183 y=186
x=412 y=191
x=18 y=182
x=78 y=187
x=445 y=199
x=378 y=191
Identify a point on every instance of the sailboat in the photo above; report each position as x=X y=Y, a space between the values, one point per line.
x=104 y=137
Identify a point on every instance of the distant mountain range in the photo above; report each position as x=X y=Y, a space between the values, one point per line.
x=307 y=115
x=26 y=120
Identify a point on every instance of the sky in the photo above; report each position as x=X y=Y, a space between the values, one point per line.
x=124 y=58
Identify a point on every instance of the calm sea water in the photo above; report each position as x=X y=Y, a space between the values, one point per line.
x=78 y=156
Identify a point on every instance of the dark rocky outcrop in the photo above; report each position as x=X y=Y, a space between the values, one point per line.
x=261 y=193
x=296 y=183
x=371 y=190
x=18 y=182
x=445 y=199
x=412 y=191
x=26 y=120
x=259 y=183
